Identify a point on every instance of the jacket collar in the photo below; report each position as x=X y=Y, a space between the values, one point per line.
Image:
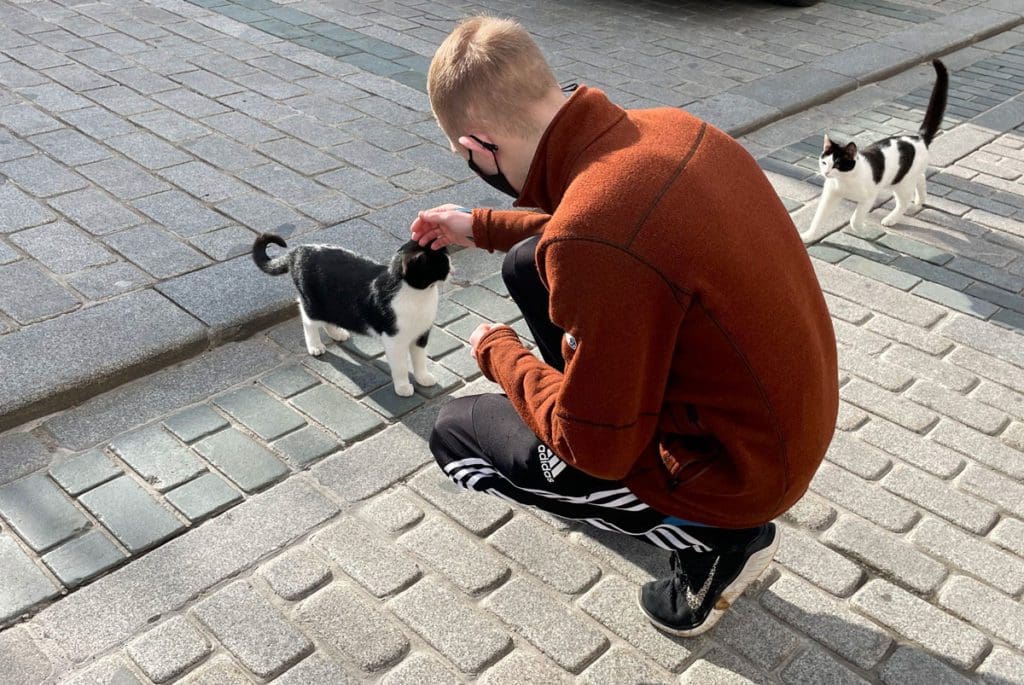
x=584 y=118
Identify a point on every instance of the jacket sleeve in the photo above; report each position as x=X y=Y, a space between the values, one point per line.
x=601 y=414
x=500 y=230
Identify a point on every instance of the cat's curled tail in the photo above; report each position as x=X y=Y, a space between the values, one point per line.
x=275 y=266
x=936 y=104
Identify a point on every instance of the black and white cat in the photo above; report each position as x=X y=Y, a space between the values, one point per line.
x=340 y=291
x=896 y=165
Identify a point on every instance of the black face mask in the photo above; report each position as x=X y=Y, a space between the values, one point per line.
x=496 y=181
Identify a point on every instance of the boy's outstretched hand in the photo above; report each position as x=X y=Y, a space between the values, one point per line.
x=481 y=330
x=443 y=226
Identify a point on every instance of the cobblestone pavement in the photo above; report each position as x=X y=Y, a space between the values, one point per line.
x=254 y=514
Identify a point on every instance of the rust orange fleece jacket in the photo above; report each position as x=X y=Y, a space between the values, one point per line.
x=702 y=365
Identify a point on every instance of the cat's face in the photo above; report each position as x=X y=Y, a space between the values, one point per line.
x=837 y=159
x=421 y=266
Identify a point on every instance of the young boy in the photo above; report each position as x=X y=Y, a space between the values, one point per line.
x=689 y=387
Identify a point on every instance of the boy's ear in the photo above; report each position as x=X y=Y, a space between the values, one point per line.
x=473 y=142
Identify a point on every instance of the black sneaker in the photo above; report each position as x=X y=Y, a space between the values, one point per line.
x=703 y=585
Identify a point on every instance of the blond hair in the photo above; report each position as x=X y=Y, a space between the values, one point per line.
x=487 y=72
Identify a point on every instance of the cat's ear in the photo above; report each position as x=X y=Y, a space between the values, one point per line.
x=827 y=145
x=408 y=258
x=851 y=150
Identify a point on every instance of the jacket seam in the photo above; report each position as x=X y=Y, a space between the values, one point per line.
x=670 y=182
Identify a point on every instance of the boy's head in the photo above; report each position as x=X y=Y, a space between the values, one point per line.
x=487 y=76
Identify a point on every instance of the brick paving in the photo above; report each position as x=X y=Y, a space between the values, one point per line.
x=253 y=514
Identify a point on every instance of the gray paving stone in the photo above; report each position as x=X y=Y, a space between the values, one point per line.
x=971 y=555
x=127 y=511
x=104 y=282
x=955 y=299
x=814 y=666
x=203 y=497
x=84 y=471
x=362 y=554
x=26 y=120
x=262 y=213
x=486 y=304
x=170 y=649
x=827 y=620
x=123 y=179
x=613 y=603
x=195 y=423
x=94 y=211
x=297 y=574
x=619 y=666
x=24 y=584
x=989 y=485
x=18 y=210
x=909 y=446
x=858 y=457
x=892 y=556
x=94 y=618
x=316 y=670
x=985 y=608
x=547 y=623
x=253 y=630
x=39 y=512
x=888 y=405
x=476 y=512
x=545 y=555
x=62 y=248
x=288 y=380
x=472 y=568
x=855 y=494
x=1002 y=665
x=148 y=150
x=225 y=243
x=180 y=213
x=911 y=666
x=818 y=564
x=922 y=364
x=339 y=617
x=259 y=412
x=83 y=558
x=921 y=622
x=225 y=154
x=881 y=272
x=337 y=412
x=160 y=459
x=991 y=340
x=957 y=143
x=962 y=409
x=31 y=294
x=251 y=466
x=392 y=512
x=752 y=632
x=112 y=669
x=936 y=496
x=20 y=655
x=283 y=183
x=384 y=401
x=221 y=670
x=1009 y=533
x=306 y=446
x=211 y=294
x=169 y=125
x=301 y=157
x=469 y=638
x=242 y=128
x=189 y=104
x=203 y=182
x=419 y=668
x=877 y=296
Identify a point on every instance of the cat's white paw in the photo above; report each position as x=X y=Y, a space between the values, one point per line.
x=316 y=350
x=425 y=379
x=890 y=220
x=338 y=333
x=404 y=389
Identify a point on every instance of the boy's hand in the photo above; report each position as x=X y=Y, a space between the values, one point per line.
x=443 y=226
x=481 y=330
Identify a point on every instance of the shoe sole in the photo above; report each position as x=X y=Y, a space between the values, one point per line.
x=752 y=570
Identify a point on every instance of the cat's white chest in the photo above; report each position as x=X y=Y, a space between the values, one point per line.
x=415 y=309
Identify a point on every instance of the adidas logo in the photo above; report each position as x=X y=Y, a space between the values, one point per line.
x=550 y=464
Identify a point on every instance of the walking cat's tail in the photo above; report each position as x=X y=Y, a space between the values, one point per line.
x=936 y=105
x=275 y=266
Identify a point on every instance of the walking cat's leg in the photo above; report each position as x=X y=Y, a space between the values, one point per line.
x=337 y=332
x=418 y=352
x=311 y=332
x=860 y=215
x=396 y=349
x=829 y=199
x=921 y=191
x=901 y=194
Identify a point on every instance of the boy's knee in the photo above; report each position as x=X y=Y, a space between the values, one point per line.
x=520 y=263
x=453 y=425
